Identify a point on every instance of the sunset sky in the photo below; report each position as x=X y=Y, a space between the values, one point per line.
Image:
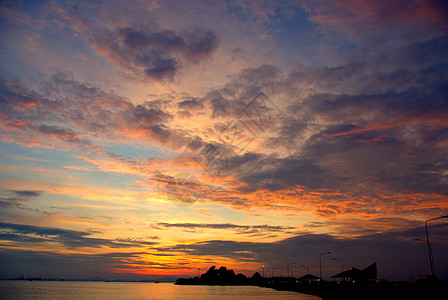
x=142 y=138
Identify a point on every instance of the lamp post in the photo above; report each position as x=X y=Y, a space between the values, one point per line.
x=342 y=263
x=307 y=269
x=263 y=273
x=431 y=258
x=272 y=272
x=287 y=267
x=320 y=262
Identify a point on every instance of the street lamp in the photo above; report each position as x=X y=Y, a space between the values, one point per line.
x=307 y=269
x=431 y=258
x=272 y=272
x=342 y=263
x=320 y=262
x=263 y=272
x=287 y=267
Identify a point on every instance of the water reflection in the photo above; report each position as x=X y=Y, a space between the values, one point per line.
x=137 y=290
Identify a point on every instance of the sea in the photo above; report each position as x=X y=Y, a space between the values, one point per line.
x=40 y=289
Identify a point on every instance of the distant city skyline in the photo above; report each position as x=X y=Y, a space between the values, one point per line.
x=142 y=139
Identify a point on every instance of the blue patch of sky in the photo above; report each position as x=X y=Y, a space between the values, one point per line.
x=24 y=155
x=300 y=40
x=53 y=34
x=62 y=41
x=296 y=35
x=9 y=36
x=238 y=12
x=138 y=151
x=11 y=153
x=219 y=210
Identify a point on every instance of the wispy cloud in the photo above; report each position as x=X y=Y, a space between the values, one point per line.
x=11 y=199
x=304 y=249
x=64 y=237
x=225 y=226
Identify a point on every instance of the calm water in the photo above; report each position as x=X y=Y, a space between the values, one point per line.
x=136 y=290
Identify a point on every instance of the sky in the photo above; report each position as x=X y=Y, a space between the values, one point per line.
x=153 y=138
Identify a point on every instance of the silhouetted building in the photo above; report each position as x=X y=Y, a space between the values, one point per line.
x=369 y=273
x=347 y=275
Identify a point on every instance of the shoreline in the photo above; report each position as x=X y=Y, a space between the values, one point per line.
x=347 y=290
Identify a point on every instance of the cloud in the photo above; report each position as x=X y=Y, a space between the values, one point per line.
x=22 y=199
x=361 y=16
x=192 y=104
x=364 y=127
x=392 y=250
x=226 y=226
x=69 y=114
x=65 y=237
x=341 y=119
x=144 y=116
x=44 y=264
x=27 y=194
x=14 y=15
x=356 y=148
x=424 y=178
x=14 y=199
x=269 y=172
x=51 y=117
x=154 y=53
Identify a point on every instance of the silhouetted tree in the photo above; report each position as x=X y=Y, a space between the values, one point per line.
x=222 y=273
x=211 y=274
x=216 y=276
x=256 y=276
x=241 y=278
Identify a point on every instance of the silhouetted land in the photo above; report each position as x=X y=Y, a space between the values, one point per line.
x=158 y=280
x=221 y=276
x=419 y=289
x=367 y=290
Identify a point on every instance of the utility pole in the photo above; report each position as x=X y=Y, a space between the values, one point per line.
x=320 y=262
x=287 y=267
x=431 y=258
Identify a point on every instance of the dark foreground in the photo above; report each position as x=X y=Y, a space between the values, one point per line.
x=427 y=288
x=373 y=290
x=348 y=290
